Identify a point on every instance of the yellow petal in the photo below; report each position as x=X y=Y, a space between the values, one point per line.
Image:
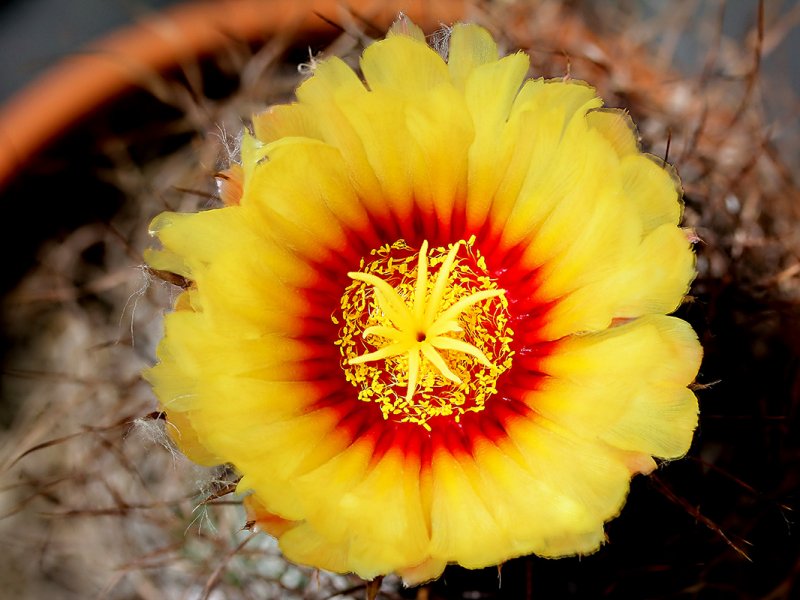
x=459 y=516
x=328 y=93
x=306 y=546
x=626 y=386
x=547 y=118
x=567 y=204
x=256 y=410
x=658 y=276
x=164 y=260
x=321 y=490
x=286 y=120
x=594 y=485
x=255 y=291
x=299 y=214
x=274 y=466
x=490 y=92
x=387 y=527
x=440 y=182
x=253 y=153
x=654 y=188
x=196 y=349
x=652 y=278
x=176 y=390
x=405 y=26
x=181 y=431
x=574 y=544
x=427 y=570
x=531 y=510
x=196 y=238
x=264 y=520
x=320 y=209
x=470 y=47
x=571 y=97
x=402 y=65
x=617 y=127
x=330 y=77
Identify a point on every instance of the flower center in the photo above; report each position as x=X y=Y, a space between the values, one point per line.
x=424 y=334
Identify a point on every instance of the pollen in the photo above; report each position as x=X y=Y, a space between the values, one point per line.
x=424 y=333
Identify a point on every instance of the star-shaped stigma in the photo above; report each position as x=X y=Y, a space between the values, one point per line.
x=422 y=328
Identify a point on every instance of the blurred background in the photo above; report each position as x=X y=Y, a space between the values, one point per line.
x=35 y=34
x=93 y=500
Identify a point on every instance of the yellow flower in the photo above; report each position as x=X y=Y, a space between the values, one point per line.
x=432 y=329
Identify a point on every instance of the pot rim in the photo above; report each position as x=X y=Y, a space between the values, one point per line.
x=121 y=61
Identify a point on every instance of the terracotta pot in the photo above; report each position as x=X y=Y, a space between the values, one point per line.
x=80 y=84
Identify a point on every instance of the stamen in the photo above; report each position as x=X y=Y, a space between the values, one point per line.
x=431 y=337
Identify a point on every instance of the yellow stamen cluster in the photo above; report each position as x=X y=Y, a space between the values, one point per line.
x=424 y=346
